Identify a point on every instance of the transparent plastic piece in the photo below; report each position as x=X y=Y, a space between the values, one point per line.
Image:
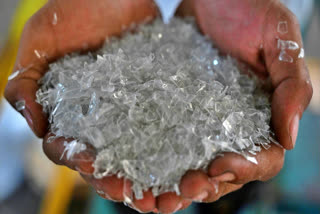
x=73 y=147
x=283 y=27
x=14 y=75
x=252 y=159
x=37 y=53
x=154 y=105
x=284 y=57
x=20 y=105
x=287 y=45
x=301 y=54
x=55 y=19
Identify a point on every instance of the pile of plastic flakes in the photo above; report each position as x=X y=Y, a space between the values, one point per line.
x=155 y=104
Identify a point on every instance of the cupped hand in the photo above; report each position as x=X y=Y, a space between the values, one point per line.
x=59 y=28
x=246 y=30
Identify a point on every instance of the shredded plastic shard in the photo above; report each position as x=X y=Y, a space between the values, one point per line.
x=20 y=105
x=13 y=75
x=287 y=44
x=301 y=54
x=55 y=19
x=156 y=104
x=283 y=27
x=284 y=57
x=73 y=147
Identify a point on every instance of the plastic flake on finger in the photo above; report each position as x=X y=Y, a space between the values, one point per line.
x=285 y=57
x=55 y=19
x=14 y=75
x=252 y=159
x=73 y=147
x=20 y=105
x=156 y=104
x=287 y=45
x=283 y=27
x=301 y=54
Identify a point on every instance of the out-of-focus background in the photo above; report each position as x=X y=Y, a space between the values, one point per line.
x=30 y=183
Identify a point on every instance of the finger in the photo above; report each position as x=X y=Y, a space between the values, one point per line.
x=196 y=186
x=146 y=204
x=234 y=168
x=169 y=202
x=291 y=81
x=118 y=189
x=109 y=187
x=55 y=151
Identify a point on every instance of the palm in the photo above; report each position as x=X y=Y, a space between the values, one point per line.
x=235 y=26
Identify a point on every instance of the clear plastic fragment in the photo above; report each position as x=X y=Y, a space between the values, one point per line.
x=252 y=159
x=51 y=139
x=14 y=75
x=19 y=71
x=73 y=147
x=284 y=57
x=216 y=187
x=287 y=45
x=55 y=19
x=154 y=105
x=301 y=54
x=37 y=53
x=283 y=27
x=20 y=105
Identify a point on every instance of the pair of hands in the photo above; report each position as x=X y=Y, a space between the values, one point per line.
x=246 y=29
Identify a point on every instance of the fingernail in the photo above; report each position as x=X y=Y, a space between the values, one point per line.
x=225 y=177
x=179 y=206
x=28 y=118
x=294 y=126
x=201 y=196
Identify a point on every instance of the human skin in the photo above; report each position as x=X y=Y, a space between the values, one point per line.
x=246 y=29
